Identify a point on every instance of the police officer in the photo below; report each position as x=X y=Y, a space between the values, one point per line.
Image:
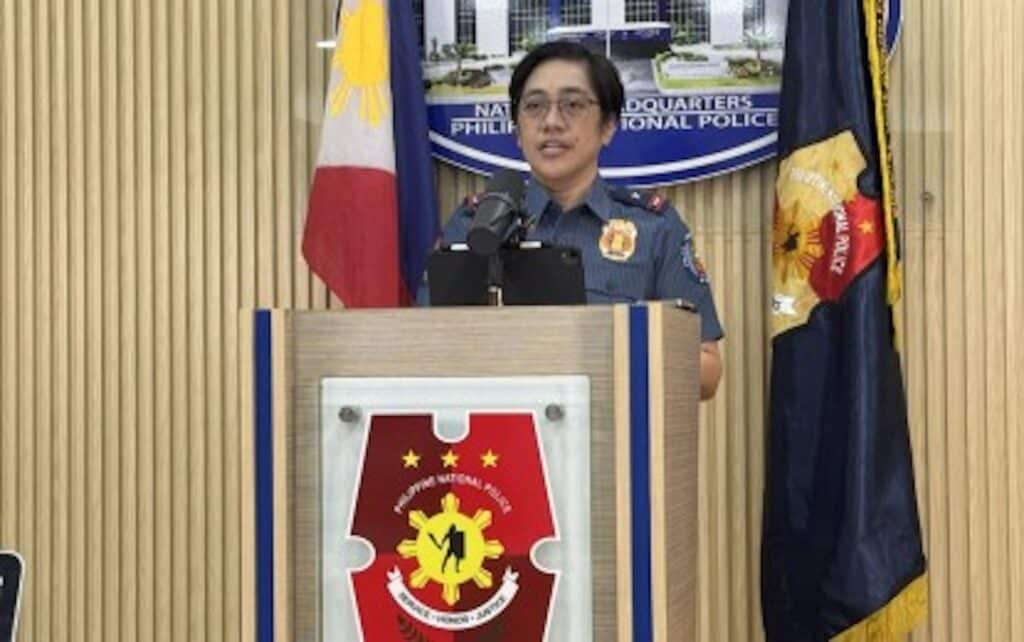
x=566 y=103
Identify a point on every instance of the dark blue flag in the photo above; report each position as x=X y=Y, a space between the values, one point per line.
x=418 y=223
x=842 y=555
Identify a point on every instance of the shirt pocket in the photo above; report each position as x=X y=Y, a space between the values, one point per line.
x=614 y=282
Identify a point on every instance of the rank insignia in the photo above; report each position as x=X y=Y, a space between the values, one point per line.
x=452 y=526
x=618 y=240
x=656 y=203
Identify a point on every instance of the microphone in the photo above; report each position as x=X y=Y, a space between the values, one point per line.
x=497 y=214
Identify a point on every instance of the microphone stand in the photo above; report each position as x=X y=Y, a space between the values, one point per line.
x=495 y=267
x=495 y=280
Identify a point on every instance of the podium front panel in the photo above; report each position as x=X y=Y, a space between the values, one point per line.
x=640 y=363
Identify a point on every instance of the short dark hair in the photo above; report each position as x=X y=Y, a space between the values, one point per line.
x=603 y=76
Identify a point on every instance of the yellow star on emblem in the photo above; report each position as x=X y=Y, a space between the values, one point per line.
x=450 y=459
x=867 y=227
x=489 y=459
x=411 y=459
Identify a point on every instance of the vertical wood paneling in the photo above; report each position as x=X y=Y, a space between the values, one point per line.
x=733 y=398
x=43 y=419
x=1014 y=239
x=263 y=140
x=214 y=332
x=8 y=277
x=47 y=414
x=162 y=365
x=226 y=256
x=77 y=336
x=975 y=196
x=60 y=554
x=281 y=88
x=26 y=296
x=300 y=141
x=195 y=268
x=145 y=306
x=154 y=164
x=126 y=601
x=994 y=121
x=177 y=214
x=95 y=149
x=957 y=368
x=907 y=107
x=927 y=293
x=247 y=216
x=108 y=333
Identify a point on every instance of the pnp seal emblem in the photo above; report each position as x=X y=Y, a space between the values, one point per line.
x=452 y=526
x=618 y=240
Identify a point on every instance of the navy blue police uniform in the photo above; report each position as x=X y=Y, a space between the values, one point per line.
x=634 y=246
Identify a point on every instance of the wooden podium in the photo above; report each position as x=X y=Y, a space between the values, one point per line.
x=640 y=366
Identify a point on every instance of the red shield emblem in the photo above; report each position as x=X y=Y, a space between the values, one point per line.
x=452 y=526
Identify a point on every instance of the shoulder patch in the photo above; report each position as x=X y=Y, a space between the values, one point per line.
x=649 y=201
x=692 y=262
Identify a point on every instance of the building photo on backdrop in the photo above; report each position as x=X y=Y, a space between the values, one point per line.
x=702 y=80
x=210 y=213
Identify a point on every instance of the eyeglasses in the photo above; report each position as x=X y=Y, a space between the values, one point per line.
x=569 y=108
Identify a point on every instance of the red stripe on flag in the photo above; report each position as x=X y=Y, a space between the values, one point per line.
x=351 y=235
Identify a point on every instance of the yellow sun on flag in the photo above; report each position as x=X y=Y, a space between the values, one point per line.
x=796 y=244
x=450 y=549
x=361 y=58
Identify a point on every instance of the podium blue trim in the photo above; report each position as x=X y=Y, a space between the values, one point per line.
x=640 y=472
x=264 y=408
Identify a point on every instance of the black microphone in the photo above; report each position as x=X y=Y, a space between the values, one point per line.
x=497 y=214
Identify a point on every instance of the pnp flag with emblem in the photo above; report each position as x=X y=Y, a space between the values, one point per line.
x=842 y=555
x=372 y=216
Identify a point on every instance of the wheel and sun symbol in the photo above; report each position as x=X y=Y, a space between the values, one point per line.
x=451 y=549
x=361 y=58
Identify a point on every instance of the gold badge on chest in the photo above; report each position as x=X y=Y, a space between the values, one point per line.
x=618 y=239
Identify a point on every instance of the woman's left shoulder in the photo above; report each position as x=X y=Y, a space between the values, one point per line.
x=650 y=202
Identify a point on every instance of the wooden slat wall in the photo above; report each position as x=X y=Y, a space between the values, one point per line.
x=154 y=164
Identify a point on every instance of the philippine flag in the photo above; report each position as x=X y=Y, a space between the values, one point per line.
x=372 y=214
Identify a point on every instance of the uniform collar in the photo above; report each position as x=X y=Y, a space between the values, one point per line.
x=597 y=199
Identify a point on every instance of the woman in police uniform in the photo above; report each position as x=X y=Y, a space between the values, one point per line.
x=566 y=103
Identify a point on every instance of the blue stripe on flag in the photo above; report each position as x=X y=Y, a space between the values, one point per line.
x=418 y=223
x=640 y=480
x=263 y=367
